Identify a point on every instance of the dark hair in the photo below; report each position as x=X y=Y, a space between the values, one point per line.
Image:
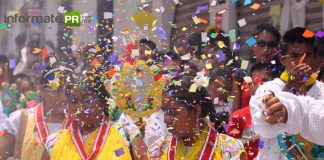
x=189 y=99
x=321 y=74
x=21 y=38
x=261 y=66
x=261 y=28
x=47 y=77
x=22 y=76
x=295 y=35
x=220 y=73
x=149 y=43
x=319 y=46
x=3 y=59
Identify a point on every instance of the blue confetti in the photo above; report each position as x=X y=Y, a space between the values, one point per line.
x=251 y=41
x=261 y=144
x=220 y=56
x=12 y=63
x=41 y=67
x=161 y=33
x=119 y=152
x=247 y=2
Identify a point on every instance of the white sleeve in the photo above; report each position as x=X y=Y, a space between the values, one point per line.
x=12 y=124
x=305 y=116
x=261 y=127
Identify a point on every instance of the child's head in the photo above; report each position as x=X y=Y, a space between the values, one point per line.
x=24 y=83
x=170 y=63
x=268 y=39
x=220 y=84
x=260 y=73
x=149 y=46
x=87 y=100
x=294 y=46
x=53 y=83
x=184 y=110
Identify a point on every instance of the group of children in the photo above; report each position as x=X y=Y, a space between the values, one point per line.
x=206 y=109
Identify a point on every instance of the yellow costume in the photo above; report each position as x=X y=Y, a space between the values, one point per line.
x=32 y=148
x=226 y=148
x=114 y=146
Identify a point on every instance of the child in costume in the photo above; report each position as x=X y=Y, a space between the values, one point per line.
x=192 y=134
x=27 y=130
x=90 y=134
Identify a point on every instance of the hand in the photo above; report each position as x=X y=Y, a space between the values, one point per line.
x=275 y=111
x=297 y=74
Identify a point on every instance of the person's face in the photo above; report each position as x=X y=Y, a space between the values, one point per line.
x=219 y=88
x=265 y=47
x=85 y=106
x=178 y=119
x=54 y=98
x=259 y=77
x=294 y=54
x=25 y=85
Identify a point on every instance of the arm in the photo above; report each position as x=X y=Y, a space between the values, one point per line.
x=301 y=114
x=7 y=145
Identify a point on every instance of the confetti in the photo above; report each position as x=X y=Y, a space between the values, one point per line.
x=4 y=26
x=201 y=8
x=209 y=66
x=308 y=34
x=216 y=100
x=12 y=63
x=44 y=53
x=161 y=33
x=244 y=64
x=202 y=20
x=204 y=37
x=255 y=6
x=193 y=87
x=108 y=15
x=251 y=41
x=302 y=58
x=319 y=34
x=248 y=79
x=241 y=22
x=119 y=152
x=232 y=35
x=247 y=2
x=184 y=29
x=196 y=20
x=148 y=52
x=213 y=3
x=186 y=57
x=220 y=56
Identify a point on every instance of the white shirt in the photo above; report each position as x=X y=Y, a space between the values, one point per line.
x=3 y=117
x=271 y=147
x=12 y=124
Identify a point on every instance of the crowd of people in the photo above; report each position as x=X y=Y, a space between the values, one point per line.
x=198 y=101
